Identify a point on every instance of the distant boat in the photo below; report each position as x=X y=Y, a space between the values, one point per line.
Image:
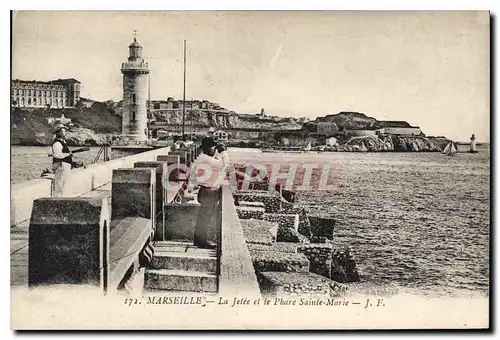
x=308 y=147
x=450 y=149
x=363 y=147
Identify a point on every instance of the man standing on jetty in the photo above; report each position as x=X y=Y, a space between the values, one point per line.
x=209 y=171
x=61 y=160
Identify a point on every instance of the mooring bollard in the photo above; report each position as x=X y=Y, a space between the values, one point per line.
x=133 y=193
x=183 y=157
x=173 y=162
x=161 y=189
x=69 y=242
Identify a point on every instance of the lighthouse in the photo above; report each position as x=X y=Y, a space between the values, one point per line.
x=135 y=95
x=473 y=144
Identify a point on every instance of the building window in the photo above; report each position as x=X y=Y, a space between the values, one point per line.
x=133 y=98
x=22 y=92
x=133 y=116
x=22 y=101
x=17 y=92
x=29 y=101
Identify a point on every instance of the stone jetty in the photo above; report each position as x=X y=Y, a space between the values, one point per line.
x=127 y=228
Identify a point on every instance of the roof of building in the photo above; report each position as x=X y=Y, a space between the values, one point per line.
x=57 y=81
x=135 y=43
x=394 y=123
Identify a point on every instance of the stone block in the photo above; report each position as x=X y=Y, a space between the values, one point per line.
x=304 y=223
x=287 y=247
x=180 y=221
x=169 y=159
x=250 y=212
x=160 y=172
x=285 y=221
x=322 y=226
x=183 y=157
x=179 y=280
x=291 y=235
x=189 y=154
x=259 y=231
x=343 y=267
x=251 y=204
x=276 y=284
x=319 y=256
x=175 y=171
x=69 y=242
x=284 y=247
x=272 y=200
x=183 y=261
x=264 y=261
x=259 y=246
x=133 y=193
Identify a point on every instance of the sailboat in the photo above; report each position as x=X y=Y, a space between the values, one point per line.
x=308 y=147
x=450 y=149
x=363 y=147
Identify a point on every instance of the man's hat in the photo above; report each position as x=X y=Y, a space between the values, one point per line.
x=59 y=126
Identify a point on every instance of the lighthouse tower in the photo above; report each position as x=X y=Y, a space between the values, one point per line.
x=135 y=94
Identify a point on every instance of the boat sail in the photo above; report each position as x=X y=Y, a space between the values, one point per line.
x=450 y=149
x=308 y=147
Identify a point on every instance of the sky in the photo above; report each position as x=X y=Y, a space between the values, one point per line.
x=428 y=68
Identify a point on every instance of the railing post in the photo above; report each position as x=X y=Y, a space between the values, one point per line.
x=69 y=242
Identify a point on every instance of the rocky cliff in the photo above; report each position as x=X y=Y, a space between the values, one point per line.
x=92 y=120
x=229 y=120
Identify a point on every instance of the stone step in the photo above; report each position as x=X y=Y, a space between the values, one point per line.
x=184 y=261
x=180 y=280
x=159 y=293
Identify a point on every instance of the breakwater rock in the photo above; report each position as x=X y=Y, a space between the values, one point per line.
x=282 y=242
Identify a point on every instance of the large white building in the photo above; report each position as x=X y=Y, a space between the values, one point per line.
x=57 y=93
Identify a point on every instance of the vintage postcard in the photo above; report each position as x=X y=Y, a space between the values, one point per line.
x=250 y=170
